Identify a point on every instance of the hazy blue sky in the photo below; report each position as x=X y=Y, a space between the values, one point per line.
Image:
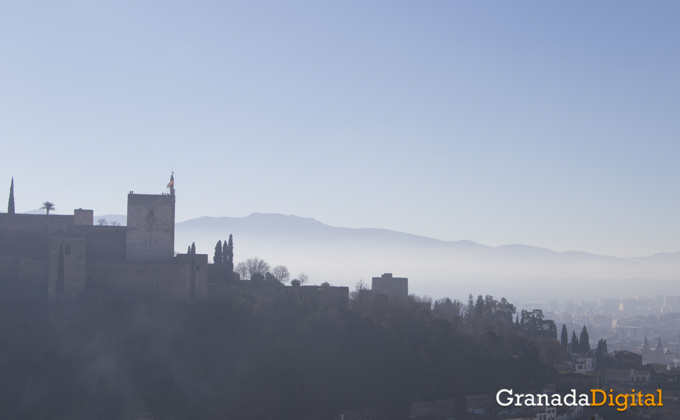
x=553 y=124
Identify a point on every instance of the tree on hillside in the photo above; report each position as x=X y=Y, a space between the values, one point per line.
x=252 y=266
x=218 y=257
x=359 y=288
x=565 y=337
x=228 y=255
x=102 y=222
x=281 y=273
x=304 y=278
x=48 y=207
x=574 y=343
x=534 y=324
x=256 y=266
x=601 y=347
x=242 y=270
x=271 y=279
x=584 y=341
x=257 y=279
x=447 y=309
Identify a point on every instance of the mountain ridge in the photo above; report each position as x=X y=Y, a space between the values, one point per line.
x=269 y=217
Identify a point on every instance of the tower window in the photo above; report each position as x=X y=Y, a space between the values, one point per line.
x=67 y=250
x=150 y=212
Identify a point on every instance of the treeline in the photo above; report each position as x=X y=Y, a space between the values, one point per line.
x=111 y=357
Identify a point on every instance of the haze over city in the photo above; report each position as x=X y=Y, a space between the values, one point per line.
x=552 y=125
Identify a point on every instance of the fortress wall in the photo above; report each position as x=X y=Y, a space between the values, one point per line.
x=33 y=278
x=25 y=235
x=75 y=263
x=24 y=277
x=326 y=296
x=103 y=242
x=33 y=270
x=217 y=273
x=23 y=269
x=35 y=222
x=150 y=227
x=9 y=268
x=33 y=244
x=166 y=280
x=196 y=273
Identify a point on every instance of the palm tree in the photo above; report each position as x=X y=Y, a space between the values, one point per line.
x=47 y=206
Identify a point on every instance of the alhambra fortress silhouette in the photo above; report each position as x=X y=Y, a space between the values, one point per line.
x=65 y=257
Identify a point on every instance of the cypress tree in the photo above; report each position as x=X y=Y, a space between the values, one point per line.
x=193 y=248
x=584 y=341
x=189 y=250
x=218 y=258
x=10 y=204
x=602 y=347
x=565 y=337
x=574 y=343
x=228 y=255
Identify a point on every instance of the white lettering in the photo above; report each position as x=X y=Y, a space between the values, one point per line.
x=572 y=399
x=508 y=401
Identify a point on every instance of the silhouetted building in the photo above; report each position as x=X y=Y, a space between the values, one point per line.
x=63 y=257
x=392 y=287
x=67 y=255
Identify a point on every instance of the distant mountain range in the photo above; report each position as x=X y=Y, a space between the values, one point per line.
x=343 y=256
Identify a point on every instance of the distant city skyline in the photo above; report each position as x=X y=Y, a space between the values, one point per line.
x=552 y=125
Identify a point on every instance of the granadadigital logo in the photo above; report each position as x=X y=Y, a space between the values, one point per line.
x=596 y=398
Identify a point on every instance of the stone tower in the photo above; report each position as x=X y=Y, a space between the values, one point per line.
x=151 y=226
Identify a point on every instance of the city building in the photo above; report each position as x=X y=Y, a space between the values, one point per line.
x=392 y=287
